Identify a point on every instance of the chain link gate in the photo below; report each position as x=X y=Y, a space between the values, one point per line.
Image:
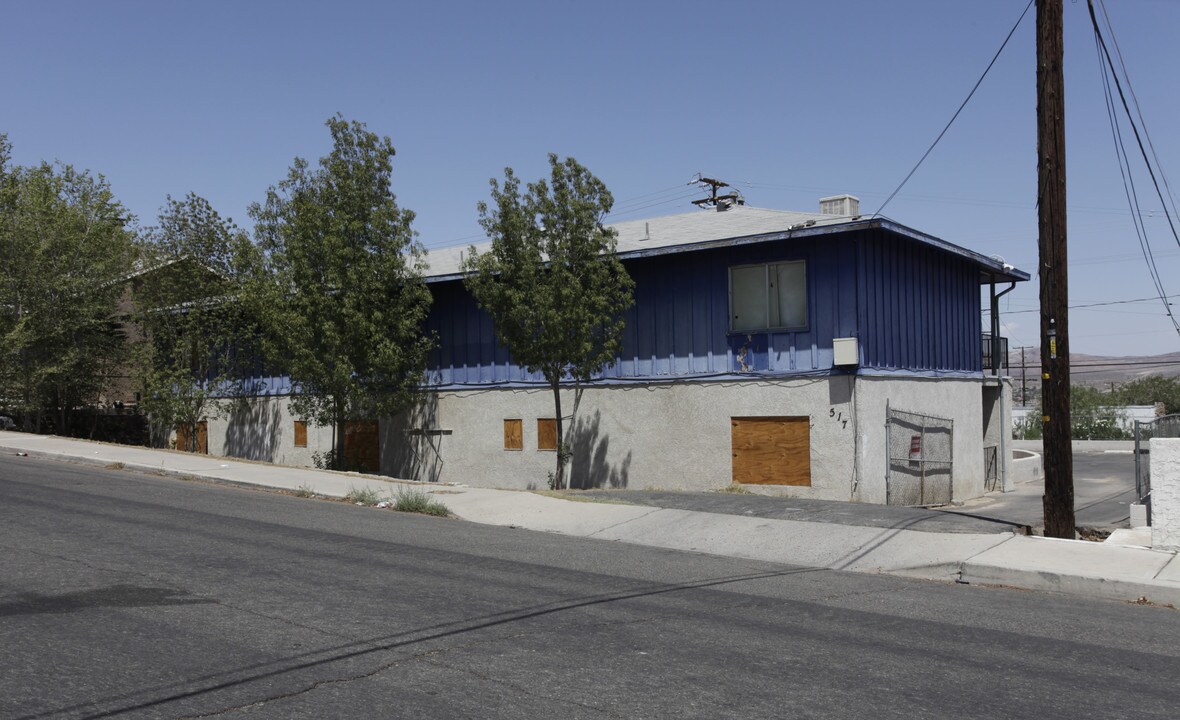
x=920 y=458
x=1167 y=426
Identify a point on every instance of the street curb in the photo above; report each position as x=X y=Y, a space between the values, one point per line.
x=1078 y=585
x=1041 y=564
x=161 y=471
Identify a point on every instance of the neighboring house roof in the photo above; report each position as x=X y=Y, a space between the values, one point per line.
x=740 y=224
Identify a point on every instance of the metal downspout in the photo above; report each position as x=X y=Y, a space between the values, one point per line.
x=1002 y=460
x=995 y=312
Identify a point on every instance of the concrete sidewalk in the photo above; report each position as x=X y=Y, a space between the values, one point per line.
x=902 y=543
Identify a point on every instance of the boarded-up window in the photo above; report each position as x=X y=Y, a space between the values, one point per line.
x=300 y=433
x=514 y=435
x=768 y=296
x=546 y=434
x=184 y=437
x=362 y=448
x=771 y=450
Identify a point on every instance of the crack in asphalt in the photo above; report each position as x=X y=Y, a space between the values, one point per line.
x=624 y=522
x=360 y=649
x=421 y=656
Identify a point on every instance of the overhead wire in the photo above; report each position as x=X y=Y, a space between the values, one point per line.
x=1129 y=183
x=1125 y=163
x=1138 y=110
x=956 y=115
x=632 y=210
x=1090 y=305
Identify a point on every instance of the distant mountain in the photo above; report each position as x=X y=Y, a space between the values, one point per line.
x=1099 y=370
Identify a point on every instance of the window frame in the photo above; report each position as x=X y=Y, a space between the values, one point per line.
x=766 y=268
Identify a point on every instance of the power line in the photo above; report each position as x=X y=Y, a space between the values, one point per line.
x=1118 y=86
x=648 y=199
x=1125 y=164
x=1139 y=111
x=1091 y=305
x=956 y=115
x=1135 y=363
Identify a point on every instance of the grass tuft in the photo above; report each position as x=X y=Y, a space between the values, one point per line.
x=574 y=496
x=736 y=489
x=363 y=496
x=416 y=501
x=304 y=491
x=116 y=466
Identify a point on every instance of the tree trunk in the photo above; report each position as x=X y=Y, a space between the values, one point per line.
x=27 y=420
x=338 y=460
x=559 y=476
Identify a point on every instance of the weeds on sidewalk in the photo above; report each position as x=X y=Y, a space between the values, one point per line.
x=305 y=491
x=574 y=496
x=363 y=496
x=736 y=489
x=416 y=501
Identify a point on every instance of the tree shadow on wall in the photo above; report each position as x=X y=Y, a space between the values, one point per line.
x=412 y=442
x=252 y=432
x=589 y=466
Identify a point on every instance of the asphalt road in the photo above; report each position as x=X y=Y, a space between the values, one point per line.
x=124 y=595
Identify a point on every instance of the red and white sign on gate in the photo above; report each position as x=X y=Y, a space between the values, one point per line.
x=915 y=447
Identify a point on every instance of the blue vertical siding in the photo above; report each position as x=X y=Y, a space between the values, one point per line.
x=911 y=306
x=922 y=307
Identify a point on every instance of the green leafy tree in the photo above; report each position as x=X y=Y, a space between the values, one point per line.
x=1093 y=416
x=551 y=283
x=1150 y=390
x=63 y=248
x=195 y=325
x=344 y=299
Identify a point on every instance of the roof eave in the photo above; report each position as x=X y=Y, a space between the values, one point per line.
x=991 y=270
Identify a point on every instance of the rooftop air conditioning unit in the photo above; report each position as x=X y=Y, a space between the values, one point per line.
x=846 y=205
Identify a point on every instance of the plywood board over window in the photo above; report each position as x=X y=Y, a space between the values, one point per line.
x=546 y=434
x=514 y=434
x=183 y=433
x=300 y=433
x=771 y=450
x=362 y=447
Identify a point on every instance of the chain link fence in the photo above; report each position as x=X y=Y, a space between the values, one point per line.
x=920 y=458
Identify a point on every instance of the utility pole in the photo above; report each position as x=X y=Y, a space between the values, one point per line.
x=1058 y=457
x=1023 y=383
x=721 y=202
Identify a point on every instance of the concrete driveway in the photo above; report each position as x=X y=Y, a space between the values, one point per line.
x=1104 y=487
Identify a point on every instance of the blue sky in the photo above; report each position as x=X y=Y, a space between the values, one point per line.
x=788 y=101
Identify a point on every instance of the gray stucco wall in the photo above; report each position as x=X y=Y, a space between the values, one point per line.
x=263 y=428
x=678 y=435
x=954 y=398
x=641 y=436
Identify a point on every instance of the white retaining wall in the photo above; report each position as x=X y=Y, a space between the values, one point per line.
x=1165 y=493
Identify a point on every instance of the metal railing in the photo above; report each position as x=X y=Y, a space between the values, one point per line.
x=1167 y=426
x=1002 y=350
